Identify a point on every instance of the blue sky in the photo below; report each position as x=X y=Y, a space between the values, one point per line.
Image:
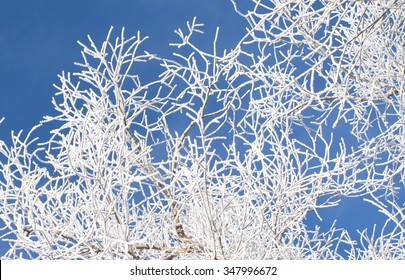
x=38 y=40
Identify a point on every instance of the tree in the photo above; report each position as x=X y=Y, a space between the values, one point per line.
x=224 y=154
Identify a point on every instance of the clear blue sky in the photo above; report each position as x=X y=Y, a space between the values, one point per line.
x=38 y=40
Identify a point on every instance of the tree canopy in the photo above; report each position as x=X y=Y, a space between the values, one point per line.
x=222 y=154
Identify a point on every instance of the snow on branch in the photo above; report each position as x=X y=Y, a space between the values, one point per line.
x=220 y=156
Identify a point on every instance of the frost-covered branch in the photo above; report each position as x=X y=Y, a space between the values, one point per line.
x=222 y=154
